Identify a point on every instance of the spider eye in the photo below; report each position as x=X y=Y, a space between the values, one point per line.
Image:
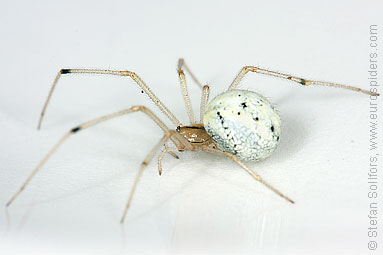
x=178 y=129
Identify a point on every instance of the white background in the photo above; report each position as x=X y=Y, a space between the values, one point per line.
x=203 y=203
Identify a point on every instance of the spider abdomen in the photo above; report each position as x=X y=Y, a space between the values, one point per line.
x=243 y=123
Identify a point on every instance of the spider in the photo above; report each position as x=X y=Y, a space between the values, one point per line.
x=238 y=124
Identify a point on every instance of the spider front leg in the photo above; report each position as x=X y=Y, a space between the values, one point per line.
x=144 y=163
x=185 y=93
x=182 y=65
x=253 y=174
x=132 y=75
x=177 y=141
x=299 y=80
x=204 y=101
x=170 y=151
x=163 y=152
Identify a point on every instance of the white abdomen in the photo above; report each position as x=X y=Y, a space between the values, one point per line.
x=243 y=123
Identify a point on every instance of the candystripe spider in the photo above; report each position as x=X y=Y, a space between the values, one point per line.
x=237 y=124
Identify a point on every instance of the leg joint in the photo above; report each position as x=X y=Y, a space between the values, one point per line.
x=137 y=108
x=180 y=63
x=251 y=69
x=170 y=133
x=65 y=71
x=75 y=129
x=127 y=73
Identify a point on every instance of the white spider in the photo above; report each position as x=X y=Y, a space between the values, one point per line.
x=239 y=124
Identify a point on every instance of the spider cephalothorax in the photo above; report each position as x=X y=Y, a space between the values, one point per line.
x=195 y=134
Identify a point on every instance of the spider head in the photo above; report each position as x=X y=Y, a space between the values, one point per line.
x=195 y=134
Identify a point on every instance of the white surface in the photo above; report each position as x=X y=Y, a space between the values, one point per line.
x=202 y=203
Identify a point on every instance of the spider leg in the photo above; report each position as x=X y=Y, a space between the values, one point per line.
x=204 y=100
x=181 y=65
x=185 y=94
x=88 y=124
x=132 y=75
x=144 y=163
x=163 y=152
x=301 y=81
x=253 y=174
x=170 y=151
